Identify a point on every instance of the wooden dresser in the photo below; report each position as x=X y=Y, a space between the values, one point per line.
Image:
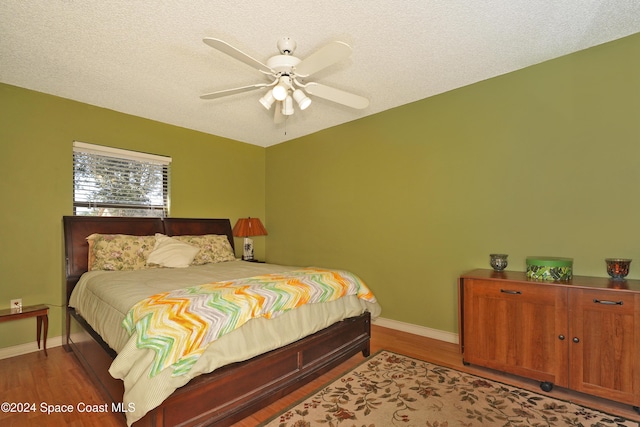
x=583 y=334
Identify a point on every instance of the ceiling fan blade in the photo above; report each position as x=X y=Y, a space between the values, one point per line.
x=337 y=95
x=225 y=47
x=322 y=58
x=227 y=92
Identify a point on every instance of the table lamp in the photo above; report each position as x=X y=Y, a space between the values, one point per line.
x=247 y=228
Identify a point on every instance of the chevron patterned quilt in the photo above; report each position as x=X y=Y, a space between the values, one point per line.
x=180 y=324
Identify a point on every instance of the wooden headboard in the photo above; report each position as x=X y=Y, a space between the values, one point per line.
x=77 y=228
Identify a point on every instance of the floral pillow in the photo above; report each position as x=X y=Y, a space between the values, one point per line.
x=213 y=248
x=119 y=251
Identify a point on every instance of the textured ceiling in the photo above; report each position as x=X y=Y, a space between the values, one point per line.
x=147 y=58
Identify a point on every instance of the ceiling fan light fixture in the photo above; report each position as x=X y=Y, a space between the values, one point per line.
x=279 y=92
x=287 y=106
x=303 y=100
x=267 y=100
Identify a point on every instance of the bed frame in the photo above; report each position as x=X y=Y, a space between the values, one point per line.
x=230 y=393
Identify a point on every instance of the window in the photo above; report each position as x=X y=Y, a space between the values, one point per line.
x=113 y=182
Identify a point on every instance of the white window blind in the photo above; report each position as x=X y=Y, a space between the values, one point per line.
x=113 y=182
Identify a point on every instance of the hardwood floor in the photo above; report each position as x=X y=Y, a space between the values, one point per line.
x=36 y=380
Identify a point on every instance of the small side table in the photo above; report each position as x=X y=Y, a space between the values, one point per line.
x=40 y=311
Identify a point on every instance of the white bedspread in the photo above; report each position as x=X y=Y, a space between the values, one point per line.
x=103 y=298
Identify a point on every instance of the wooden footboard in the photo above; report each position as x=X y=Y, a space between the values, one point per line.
x=94 y=355
x=233 y=392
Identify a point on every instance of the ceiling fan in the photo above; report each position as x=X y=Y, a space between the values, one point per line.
x=287 y=73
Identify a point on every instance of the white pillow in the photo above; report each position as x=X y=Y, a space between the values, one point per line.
x=169 y=252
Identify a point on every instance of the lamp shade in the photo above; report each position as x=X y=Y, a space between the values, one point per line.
x=302 y=100
x=287 y=106
x=267 y=100
x=280 y=92
x=247 y=227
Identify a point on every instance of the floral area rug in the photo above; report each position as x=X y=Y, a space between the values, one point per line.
x=394 y=390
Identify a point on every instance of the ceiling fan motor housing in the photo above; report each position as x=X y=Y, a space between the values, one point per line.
x=283 y=64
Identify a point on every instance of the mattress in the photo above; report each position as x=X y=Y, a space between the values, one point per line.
x=103 y=299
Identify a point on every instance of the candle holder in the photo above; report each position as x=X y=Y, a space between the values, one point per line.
x=498 y=261
x=617 y=268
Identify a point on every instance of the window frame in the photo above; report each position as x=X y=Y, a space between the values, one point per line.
x=145 y=160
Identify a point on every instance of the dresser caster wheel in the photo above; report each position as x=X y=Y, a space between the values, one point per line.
x=546 y=386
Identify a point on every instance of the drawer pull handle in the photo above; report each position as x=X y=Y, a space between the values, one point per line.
x=604 y=301
x=507 y=291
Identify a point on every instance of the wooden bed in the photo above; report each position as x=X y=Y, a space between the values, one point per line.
x=230 y=393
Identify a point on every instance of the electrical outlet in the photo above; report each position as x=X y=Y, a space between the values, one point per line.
x=16 y=305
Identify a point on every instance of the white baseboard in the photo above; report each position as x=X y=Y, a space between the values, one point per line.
x=19 y=350
x=417 y=330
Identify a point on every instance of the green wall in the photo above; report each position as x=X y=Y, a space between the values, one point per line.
x=210 y=177
x=542 y=161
